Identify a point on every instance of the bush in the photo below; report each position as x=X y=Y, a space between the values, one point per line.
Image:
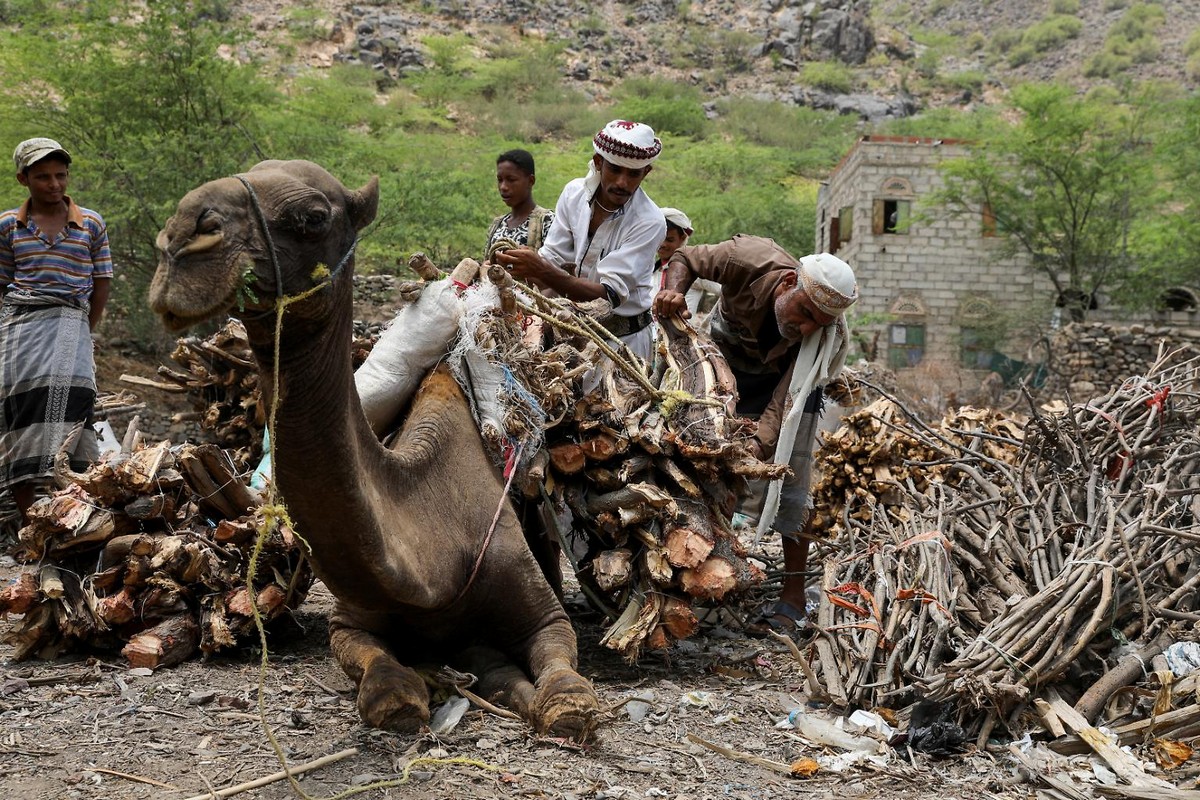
x=814 y=138
x=1064 y=6
x=828 y=75
x=1106 y=64
x=1049 y=33
x=666 y=106
x=1193 y=43
x=1193 y=66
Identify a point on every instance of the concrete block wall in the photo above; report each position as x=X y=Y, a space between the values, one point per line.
x=944 y=265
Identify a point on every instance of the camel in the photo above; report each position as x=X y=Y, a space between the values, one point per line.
x=418 y=541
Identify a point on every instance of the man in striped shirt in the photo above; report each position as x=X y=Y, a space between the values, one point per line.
x=55 y=276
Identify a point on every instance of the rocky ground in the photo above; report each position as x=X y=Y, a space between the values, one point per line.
x=92 y=728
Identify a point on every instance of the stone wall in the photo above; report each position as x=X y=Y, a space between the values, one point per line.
x=1089 y=359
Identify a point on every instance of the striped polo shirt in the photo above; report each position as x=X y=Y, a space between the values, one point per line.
x=63 y=267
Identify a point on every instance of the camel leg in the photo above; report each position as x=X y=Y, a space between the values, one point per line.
x=390 y=695
x=564 y=702
x=500 y=680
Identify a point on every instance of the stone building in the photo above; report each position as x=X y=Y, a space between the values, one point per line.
x=933 y=286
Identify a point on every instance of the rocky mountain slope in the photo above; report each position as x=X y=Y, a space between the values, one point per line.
x=889 y=57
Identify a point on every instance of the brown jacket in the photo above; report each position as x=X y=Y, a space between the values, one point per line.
x=749 y=269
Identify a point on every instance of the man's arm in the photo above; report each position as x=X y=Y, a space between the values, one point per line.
x=99 y=299
x=528 y=265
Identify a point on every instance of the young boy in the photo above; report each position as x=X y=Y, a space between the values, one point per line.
x=55 y=276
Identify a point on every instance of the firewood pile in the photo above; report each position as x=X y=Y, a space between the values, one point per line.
x=219 y=374
x=649 y=464
x=146 y=552
x=991 y=561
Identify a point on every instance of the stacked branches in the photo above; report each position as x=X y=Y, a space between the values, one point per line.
x=146 y=552
x=990 y=559
x=641 y=470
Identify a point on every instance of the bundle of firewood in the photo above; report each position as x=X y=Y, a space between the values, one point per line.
x=218 y=373
x=147 y=552
x=990 y=559
x=649 y=463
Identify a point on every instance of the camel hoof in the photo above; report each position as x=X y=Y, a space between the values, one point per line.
x=393 y=697
x=566 y=706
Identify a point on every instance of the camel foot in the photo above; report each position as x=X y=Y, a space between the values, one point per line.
x=565 y=705
x=393 y=697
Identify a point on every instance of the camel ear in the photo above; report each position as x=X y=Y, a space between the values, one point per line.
x=362 y=204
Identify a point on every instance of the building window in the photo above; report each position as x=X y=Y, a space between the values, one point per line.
x=906 y=345
x=846 y=215
x=988 y=223
x=890 y=216
x=975 y=349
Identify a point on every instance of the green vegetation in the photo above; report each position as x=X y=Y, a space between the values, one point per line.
x=1066 y=186
x=150 y=110
x=150 y=107
x=829 y=75
x=1130 y=41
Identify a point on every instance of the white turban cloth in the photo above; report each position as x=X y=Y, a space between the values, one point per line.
x=830 y=284
x=677 y=217
x=627 y=144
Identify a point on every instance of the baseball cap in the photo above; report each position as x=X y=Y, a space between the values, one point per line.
x=31 y=151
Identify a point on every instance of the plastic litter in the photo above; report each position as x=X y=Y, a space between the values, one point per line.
x=872 y=723
x=824 y=730
x=1183 y=658
x=448 y=714
x=932 y=730
x=640 y=705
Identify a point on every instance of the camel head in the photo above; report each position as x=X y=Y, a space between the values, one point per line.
x=214 y=255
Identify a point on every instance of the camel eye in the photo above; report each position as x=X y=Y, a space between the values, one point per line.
x=311 y=222
x=209 y=222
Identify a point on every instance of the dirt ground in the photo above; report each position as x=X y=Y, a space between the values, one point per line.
x=93 y=728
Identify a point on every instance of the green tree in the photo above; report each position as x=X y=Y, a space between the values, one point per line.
x=142 y=98
x=1168 y=241
x=1063 y=185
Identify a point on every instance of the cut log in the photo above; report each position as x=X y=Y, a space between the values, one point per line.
x=20 y=595
x=168 y=643
x=711 y=580
x=567 y=458
x=678 y=618
x=612 y=568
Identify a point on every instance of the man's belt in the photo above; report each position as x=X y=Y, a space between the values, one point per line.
x=625 y=326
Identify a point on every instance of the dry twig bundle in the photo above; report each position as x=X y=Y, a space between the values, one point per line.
x=990 y=558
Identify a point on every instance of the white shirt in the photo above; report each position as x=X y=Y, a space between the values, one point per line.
x=621 y=254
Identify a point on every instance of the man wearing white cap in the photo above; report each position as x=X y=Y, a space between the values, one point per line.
x=605 y=233
x=679 y=230
x=780 y=324
x=55 y=274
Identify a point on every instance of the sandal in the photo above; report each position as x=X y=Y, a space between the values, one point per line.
x=780 y=617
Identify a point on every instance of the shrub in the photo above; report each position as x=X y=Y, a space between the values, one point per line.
x=815 y=138
x=663 y=105
x=1064 y=6
x=828 y=75
x=1193 y=43
x=1003 y=40
x=1193 y=66
x=1051 y=32
x=1021 y=54
x=1106 y=64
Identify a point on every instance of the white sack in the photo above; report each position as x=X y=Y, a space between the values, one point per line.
x=418 y=337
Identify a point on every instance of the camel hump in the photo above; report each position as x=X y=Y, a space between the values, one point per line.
x=440 y=387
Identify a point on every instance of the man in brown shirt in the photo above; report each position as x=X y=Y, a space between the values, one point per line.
x=780 y=325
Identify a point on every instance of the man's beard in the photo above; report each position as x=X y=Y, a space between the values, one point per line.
x=788 y=331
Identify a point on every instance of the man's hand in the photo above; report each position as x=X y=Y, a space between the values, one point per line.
x=523 y=262
x=668 y=303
